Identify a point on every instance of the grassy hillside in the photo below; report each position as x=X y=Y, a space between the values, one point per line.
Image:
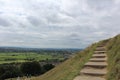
x=113 y=53
x=70 y=68
x=113 y=48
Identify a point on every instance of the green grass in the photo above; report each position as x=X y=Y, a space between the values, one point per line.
x=113 y=48
x=113 y=53
x=70 y=68
x=21 y=57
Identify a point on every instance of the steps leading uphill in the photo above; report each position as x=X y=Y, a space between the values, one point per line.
x=95 y=69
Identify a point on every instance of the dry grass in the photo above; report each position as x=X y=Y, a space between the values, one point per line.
x=70 y=68
x=113 y=48
x=113 y=52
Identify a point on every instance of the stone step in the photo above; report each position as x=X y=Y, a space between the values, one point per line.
x=100 y=49
x=98 y=52
x=101 y=45
x=93 y=72
x=84 y=77
x=96 y=64
x=98 y=59
x=99 y=55
x=95 y=69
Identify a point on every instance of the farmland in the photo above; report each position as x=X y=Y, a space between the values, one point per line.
x=21 y=57
x=12 y=55
x=13 y=61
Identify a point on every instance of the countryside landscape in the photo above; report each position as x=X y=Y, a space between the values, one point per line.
x=59 y=40
x=11 y=55
x=14 y=57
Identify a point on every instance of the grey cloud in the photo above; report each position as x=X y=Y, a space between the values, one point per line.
x=110 y=24
x=34 y=21
x=4 y=22
x=1 y=12
x=101 y=4
x=58 y=23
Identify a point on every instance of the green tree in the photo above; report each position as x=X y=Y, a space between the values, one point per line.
x=31 y=68
x=47 y=67
x=9 y=71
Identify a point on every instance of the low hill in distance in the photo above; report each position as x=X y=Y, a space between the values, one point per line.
x=22 y=49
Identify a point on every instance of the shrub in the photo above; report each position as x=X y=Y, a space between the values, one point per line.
x=48 y=67
x=30 y=68
x=9 y=71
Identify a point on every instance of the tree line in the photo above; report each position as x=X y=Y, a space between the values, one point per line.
x=24 y=69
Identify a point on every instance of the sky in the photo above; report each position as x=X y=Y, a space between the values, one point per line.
x=57 y=23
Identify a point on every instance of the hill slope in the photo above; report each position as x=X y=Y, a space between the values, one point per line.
x=71 y=68
x=113 y=48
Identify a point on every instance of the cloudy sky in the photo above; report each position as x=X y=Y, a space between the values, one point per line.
x=57 y=23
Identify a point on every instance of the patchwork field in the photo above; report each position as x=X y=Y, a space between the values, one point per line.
x=21 y=57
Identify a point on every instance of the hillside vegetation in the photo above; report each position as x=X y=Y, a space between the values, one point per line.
x=71 y=68
x=113 y=48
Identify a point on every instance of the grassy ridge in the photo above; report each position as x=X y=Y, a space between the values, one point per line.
x=113 y=53
x=70 y=68
x=113 y=48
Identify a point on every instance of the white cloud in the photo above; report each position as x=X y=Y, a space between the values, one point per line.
x=57 y=23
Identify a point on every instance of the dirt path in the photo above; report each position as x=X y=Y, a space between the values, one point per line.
x=95 y=69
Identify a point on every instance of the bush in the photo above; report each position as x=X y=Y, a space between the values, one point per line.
x=31 y=68
x=48 y=67
x=9 y=71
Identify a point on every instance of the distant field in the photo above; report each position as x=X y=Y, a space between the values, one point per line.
x=21 y=57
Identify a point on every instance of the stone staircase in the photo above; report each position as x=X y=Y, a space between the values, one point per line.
x=95 y=69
